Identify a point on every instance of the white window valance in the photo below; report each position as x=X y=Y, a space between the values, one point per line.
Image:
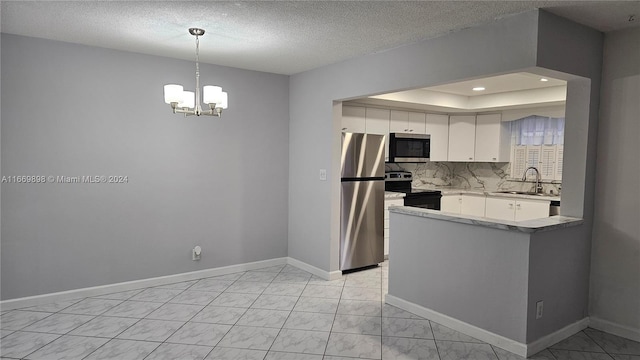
x=537 y=130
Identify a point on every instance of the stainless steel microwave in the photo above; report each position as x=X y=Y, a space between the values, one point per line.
x=409 y=148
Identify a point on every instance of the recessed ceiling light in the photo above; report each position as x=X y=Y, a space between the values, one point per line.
x=544 y=79
x=478 y=88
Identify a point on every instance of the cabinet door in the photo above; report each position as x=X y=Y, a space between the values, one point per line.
x=353 y=119
x=493 y=138
x=531 y=209
x=399 y=121
x=416 y=123
x=438 y=127
x=500 y=208
x=377 y=121
x=387 y=203
x=451 y=203
x=462 y=138
x=473 y=205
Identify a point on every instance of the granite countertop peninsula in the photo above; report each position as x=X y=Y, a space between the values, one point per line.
x=528 y=226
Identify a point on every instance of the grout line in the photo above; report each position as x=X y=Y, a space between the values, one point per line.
x=285 y=320
x=434 y=339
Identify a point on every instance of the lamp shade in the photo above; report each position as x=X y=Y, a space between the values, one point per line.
x=211 y=94
x=224 y=101
x=188 y=100
x=173 y=93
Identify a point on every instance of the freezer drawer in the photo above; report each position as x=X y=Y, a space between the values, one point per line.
x=362 y=224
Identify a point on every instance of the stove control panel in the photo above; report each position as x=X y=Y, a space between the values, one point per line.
x=398 y=176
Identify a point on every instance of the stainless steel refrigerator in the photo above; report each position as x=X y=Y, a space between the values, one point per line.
x=362 y=201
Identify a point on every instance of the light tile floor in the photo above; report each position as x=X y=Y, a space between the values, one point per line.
x=274 y=313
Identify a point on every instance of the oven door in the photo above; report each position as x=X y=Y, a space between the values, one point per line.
x=425 y=201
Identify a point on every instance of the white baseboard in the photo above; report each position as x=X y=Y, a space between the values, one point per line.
x=500 y=341
x=333 y=275
x=614 y=328
x=136 y=284
x=461 y=326
x=557 y=336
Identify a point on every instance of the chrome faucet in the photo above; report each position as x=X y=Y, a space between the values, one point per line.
x=538 y=185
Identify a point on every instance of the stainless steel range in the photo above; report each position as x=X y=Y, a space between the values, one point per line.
x=400 y=181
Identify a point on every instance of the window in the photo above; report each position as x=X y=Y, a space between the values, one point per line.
x=537 y=141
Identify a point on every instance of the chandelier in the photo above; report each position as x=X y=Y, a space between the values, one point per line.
x=188 y=103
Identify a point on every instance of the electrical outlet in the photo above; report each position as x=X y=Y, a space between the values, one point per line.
x=323 y=174
x=196 y=252
x=539 y=308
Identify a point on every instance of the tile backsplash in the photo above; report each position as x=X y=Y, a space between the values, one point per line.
x=471 y=175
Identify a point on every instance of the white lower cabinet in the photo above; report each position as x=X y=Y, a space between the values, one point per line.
x=465 y=204
x=472 y=205
x=451 y=203
x=387 y=203
x=516 y=209
x=500 y=208
x=531 y=209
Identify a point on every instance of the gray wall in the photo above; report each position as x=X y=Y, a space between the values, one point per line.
x=471 y=273
x=503 y=46
x=511 y=44
x=76 y=110
x=615 y=271
x=558 y=275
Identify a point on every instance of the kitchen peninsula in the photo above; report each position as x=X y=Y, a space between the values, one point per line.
x=504 y=282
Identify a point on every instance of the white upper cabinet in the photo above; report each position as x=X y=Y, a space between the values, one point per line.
x=377 y=121
x=407 y=122
x=399 y=121
x=416 y=123
x=493 y=139
x=438 y=127
x=353 y=119
x=462 y=137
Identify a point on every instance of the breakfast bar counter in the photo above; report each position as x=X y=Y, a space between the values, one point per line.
x=511 y=284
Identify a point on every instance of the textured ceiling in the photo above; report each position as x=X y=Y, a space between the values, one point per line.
x=280 y=37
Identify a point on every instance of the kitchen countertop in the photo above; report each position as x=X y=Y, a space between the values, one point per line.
x=528 y=226
x=388 y=195
x=448 y=190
